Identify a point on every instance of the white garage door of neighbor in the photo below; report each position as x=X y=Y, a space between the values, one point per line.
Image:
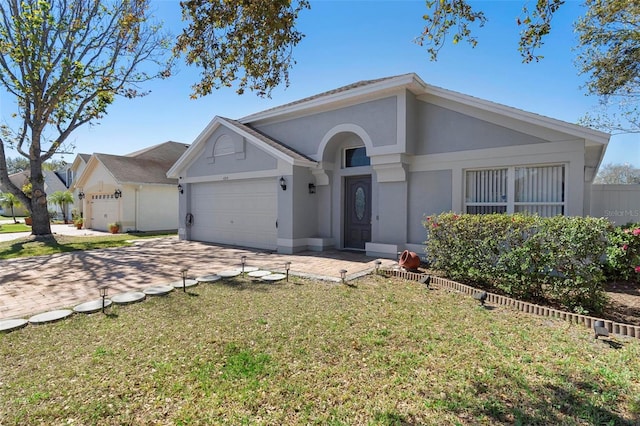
x=104 y=210
x=241 y=213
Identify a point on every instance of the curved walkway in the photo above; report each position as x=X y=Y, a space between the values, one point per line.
x=38 y=284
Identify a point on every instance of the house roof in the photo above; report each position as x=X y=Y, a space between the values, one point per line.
x=52 y=181
x=356 y=92
x=148 y=166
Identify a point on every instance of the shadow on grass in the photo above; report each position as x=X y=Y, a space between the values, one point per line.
x=569 y=398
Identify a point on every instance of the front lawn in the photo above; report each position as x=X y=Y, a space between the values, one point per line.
x=6 y=228
x=30 y=246
x=384 y=352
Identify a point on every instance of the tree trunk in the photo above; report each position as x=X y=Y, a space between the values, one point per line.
x=39 y=211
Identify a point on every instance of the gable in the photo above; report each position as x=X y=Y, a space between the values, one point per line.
x=233 y=147
x=225 y=152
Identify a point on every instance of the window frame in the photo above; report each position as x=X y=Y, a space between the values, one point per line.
x=511 y=204
x=345 y=165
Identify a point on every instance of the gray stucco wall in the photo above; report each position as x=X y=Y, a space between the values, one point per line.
x=412 y=122
x=391 y=214
x=442 y=130
x=378 y=118
x=429 y=193
x=247 y=158
x=305 y=209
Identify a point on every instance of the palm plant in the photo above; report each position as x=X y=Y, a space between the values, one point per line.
x=62 y=199
x=9 y=201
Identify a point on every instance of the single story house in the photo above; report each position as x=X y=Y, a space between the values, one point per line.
x=132 y=190
x=52 y=183
x=73 y=172
x=360 y=166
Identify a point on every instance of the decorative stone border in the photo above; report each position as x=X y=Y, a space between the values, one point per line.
x=526 y=307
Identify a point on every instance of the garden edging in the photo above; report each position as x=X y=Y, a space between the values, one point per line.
x=625 y=330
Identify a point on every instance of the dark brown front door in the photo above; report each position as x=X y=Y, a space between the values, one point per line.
x=357 y=213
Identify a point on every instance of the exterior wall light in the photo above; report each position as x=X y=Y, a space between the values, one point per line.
x=312 y=188
x=117 y=194
x=80 y=195
x=283 y=183
x=180 y=189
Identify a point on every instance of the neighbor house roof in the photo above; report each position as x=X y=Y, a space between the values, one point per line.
x=52 y=181
x=149 y=165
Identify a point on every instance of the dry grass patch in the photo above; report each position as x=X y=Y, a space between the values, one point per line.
x=384 y=352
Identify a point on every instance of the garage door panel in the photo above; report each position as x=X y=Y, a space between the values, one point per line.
x=237 y=212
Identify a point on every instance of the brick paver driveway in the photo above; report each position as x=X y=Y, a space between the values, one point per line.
x=38 y=284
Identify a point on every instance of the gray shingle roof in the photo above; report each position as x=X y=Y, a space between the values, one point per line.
x=146 y=166
x=346 y=88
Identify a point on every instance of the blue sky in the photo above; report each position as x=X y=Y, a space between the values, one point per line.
x=348 y=41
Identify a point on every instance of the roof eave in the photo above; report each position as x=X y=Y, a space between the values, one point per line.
x=409 y=81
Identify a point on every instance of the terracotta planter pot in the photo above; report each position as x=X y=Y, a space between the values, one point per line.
x=28 y=221
x=409 y=260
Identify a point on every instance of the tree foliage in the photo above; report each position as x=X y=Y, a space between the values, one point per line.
x=608 y=46
x=445 y=16
x=609 y=40
x=618 y=174
x=64 y=62
x=248 y=42
x=9 y=201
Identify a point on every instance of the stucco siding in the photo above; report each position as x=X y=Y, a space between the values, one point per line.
x=429 y=193
x=157 y=208
x=246 y=158
x=391 y=214
x=441 y=130
x=378 y=118
x=412 y=105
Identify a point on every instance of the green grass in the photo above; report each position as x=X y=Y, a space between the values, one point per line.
x=29 y=246
x=6 y=228
x=384 y=352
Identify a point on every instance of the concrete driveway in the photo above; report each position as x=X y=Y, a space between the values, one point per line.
x=38 y=284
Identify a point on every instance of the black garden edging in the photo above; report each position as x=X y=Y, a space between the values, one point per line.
x=530 y=308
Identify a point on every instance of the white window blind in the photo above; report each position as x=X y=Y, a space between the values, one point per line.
x=486 y=191
x=540 y=190
x=533 y=189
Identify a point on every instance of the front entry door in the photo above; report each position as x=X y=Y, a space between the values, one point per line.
x=357 y=211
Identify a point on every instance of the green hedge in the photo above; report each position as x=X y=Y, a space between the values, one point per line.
x=559 y=259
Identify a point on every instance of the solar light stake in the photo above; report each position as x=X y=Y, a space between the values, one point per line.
x=103 y=293
x=184 y=279
x=287 y=266
x=343 y=274
x=378 y=263
x=243 y=259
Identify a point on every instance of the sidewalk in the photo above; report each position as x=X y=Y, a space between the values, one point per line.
x=38 y=284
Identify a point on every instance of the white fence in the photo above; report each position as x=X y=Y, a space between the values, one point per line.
x=618 y=203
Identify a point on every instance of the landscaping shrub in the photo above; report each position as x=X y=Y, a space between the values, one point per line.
x=623 y=253
x=532 y=258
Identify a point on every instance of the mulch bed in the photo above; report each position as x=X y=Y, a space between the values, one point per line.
x=624 y=302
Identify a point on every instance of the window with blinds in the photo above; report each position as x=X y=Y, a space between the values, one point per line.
x=532 y=189
x=486 y=191
x=539 y=190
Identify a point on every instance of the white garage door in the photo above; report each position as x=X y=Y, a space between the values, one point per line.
x=241 y=213
x=104 y=210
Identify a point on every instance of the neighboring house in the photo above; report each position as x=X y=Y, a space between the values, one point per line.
x=73 y=172
x=132 y=190
x=52 y=183
x=358 y=168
